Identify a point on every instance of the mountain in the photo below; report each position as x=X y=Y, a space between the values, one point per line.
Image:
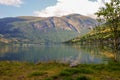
x=41 y=29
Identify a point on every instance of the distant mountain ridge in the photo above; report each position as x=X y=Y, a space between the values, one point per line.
x=40 y=29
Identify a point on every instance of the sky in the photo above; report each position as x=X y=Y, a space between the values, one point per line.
x=48 y=8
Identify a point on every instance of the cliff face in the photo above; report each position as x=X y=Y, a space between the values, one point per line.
x=51 y=29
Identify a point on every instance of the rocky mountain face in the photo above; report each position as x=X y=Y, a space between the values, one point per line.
x=39 y=29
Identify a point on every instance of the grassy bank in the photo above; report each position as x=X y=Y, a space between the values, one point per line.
x=58 y=71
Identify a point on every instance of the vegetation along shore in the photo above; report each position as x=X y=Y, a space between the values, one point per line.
x=11 y=70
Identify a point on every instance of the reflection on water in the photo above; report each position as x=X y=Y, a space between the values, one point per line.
x=60 y=53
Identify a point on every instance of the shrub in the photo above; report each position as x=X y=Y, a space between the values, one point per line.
x=36 y=74
x=82 y=78
x=48 y=79
x=67 y=78
x=65 y=73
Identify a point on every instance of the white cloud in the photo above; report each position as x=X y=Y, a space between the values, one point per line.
x=65 y=7
x=11 y=2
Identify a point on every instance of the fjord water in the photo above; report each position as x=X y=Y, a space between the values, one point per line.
x=46 y=53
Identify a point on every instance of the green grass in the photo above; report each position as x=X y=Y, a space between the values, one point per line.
x=36 y=73
x=58 y=71
x=72 y=71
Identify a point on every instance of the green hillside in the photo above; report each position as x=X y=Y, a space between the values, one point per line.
x=98 y=34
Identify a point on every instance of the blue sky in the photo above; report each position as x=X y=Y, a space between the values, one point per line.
x=25 y=9
x=46 y=8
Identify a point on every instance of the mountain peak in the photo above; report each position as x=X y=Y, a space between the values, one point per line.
x=74 y=15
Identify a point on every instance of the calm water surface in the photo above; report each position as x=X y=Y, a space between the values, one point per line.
x=60 y=53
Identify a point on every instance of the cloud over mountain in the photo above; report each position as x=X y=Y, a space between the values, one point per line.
x=11 y=2
x=65 y=7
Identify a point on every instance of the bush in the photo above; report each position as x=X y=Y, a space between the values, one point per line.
x=48 y=79
x=82 y=78
x=37 y=74
x=67 y=78
x=65 y=73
